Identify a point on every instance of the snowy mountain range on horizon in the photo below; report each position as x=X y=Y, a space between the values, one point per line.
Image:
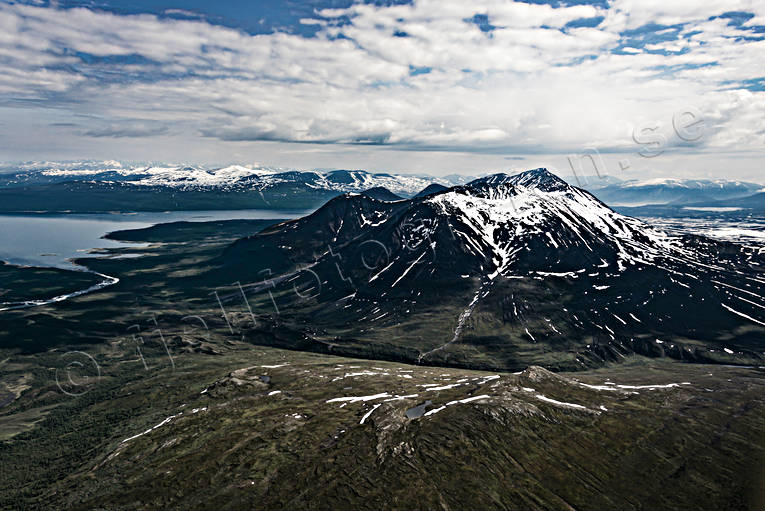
x=56 y=177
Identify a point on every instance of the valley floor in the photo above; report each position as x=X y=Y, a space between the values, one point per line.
x=262 y=428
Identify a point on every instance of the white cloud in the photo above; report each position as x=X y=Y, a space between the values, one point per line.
x=632 y=14
x=520 y=88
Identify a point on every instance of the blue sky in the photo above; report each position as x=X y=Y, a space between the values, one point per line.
x=651 y=88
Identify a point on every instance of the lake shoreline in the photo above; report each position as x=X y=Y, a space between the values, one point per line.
x=109 y=281
x=62 y=284
x=56 y=240
x=61 y=280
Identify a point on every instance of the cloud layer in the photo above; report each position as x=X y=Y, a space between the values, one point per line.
x=491 y=77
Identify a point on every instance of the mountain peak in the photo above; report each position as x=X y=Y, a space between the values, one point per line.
x=498 y=186
x=431 y=189
x=541 y=179
x=382 y=194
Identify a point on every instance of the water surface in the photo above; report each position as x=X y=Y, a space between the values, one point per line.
x=53 y=239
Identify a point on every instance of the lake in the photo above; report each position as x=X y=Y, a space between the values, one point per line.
x=54 y=239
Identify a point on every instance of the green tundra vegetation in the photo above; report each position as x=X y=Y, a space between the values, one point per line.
x=142 y=396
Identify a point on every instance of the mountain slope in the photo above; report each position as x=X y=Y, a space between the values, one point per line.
x=502 y=272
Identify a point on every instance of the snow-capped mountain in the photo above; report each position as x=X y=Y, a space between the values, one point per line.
x=508 y=214
x=198 y=178
x=508 y=270
x=116 y=186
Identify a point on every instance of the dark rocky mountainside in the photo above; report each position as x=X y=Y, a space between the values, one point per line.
x=501 y=272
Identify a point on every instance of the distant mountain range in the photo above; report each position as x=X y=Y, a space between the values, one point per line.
x=502 y=272
x=114 y=186
x=191 y=178
x=668 y=191
x=99 y=186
